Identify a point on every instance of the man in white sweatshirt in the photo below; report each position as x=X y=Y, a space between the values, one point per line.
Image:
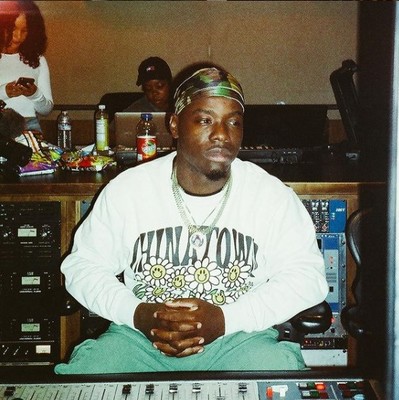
x=214 y=251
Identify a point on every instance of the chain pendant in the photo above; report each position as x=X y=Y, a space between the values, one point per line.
x=197 y=239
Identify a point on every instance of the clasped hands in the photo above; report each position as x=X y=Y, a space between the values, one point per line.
x=181 y=327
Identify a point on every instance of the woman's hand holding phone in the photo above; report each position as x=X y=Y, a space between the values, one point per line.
x=23 y=86
x=25 y=82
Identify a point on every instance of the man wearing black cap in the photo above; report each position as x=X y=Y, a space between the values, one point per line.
x=155 y=78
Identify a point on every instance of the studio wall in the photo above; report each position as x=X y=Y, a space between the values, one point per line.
x=281 y=51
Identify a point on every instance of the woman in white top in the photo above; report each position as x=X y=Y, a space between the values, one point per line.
x=22 y=45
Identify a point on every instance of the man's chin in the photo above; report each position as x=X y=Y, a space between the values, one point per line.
x=217 y=174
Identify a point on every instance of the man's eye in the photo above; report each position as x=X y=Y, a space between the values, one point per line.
x=205 y=121
x=235 y=122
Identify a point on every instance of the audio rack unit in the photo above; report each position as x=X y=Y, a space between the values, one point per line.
x=30 y=256
x=328 y=215
x=331 y=347
x=30 y=247
x=329 y=219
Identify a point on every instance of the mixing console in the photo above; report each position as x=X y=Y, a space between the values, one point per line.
x=191 y=390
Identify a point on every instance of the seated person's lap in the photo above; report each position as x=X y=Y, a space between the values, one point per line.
x=121 y=349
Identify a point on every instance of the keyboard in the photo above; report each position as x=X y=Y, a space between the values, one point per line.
x=256 y=154
x=263 y=154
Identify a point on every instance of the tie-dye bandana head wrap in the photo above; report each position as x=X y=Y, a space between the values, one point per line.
x=208 y=82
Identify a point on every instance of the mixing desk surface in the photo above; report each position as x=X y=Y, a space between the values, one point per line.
x=192 y=390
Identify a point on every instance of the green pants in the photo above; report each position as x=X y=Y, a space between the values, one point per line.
x=121 y=349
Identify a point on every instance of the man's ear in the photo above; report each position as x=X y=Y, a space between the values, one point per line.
x=173 y=125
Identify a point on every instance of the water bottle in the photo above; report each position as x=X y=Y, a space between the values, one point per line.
x=102 y=129
x=64 y=137
x=146 y=138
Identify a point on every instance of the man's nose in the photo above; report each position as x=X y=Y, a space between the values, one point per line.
x=155 y=91
x=220 y=132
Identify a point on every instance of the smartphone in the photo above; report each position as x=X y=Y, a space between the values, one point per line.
x=24 y=81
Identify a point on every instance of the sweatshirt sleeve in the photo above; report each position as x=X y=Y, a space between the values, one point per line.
x=96 y=258
x=296 y=278
x=3 y=94
x=43 y=99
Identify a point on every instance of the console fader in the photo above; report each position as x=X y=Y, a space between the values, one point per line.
x=194 y=390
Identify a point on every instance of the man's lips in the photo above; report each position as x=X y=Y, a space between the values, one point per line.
x=219 y=154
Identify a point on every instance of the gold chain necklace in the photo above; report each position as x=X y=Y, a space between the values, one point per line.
x=197 y=233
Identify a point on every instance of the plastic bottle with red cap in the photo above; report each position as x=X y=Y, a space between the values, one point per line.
x=146 y=138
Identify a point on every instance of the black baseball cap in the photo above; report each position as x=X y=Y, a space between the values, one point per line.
x=153 y=68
